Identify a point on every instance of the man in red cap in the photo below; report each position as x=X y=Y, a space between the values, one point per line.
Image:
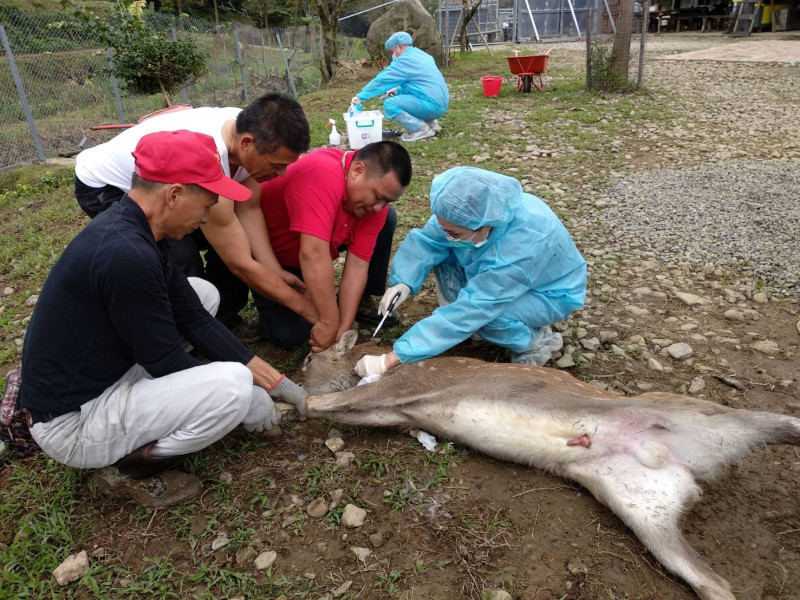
x=105 y=374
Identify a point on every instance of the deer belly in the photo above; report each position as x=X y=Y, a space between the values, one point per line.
x=546 y=439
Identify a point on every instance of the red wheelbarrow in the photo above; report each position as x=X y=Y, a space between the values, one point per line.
x=526 y=68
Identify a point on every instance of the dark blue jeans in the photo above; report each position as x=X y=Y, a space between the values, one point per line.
x=286 y=329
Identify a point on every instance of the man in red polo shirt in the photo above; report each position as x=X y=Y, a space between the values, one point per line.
x=330 y=200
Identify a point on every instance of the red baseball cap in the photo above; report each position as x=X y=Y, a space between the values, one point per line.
x=185 y=157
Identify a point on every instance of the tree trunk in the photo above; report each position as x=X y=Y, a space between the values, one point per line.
x=469 y=11
x=329 y=19
x=166 y=95
x=621 y=52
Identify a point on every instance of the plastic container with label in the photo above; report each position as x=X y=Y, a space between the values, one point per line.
x=364 y=128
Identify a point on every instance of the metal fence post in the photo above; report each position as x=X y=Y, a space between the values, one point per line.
x=589 y=51
x=114 y=86
x=241 y=64
x=37 y=143
x=286 y=64
x=183 y=89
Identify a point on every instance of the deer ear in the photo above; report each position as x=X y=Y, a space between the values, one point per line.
x=346 y=342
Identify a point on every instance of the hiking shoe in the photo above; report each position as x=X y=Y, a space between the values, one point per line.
x=248 y=331
x=367 y=314
x=168 y=488
x=434 y=124
x=420 y=134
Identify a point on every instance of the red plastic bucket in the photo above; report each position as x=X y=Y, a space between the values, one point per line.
x=491 y=85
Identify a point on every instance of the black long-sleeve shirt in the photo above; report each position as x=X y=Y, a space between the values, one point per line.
x=112 y=300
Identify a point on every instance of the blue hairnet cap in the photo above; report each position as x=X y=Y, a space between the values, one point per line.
x=401 y=38
x=473 y=198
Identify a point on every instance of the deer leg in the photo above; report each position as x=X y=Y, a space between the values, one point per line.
x=650 y=502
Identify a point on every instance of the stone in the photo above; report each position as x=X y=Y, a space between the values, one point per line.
x=495 y=595
x=245 y=555
x=32 y=300
x=376 y=539
x=336 y=498
x=410 y=16
x=72 y=569
x=654 y=365
x=9 y=291
x=591 y=344
x=607 y=336
x=343 y=459
x=734 y=315
x=318 y=508
x=565 y=362
x=680 y=351
x=220 y=541
x=342 y=589
x=760 y=298
x=265 y=560
x=690 y=299
x=617 y=351
x=766 y=346
x=576 y=566
x=361 y=553
x=637 y=340
x=334 y=444
x=353 y=516
x=637 y=311
x=697 y=385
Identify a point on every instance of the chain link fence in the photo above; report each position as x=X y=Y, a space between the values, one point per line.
x=55 y=83
x=616 y=45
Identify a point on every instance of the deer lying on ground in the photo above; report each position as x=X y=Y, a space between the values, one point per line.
x=640 y=456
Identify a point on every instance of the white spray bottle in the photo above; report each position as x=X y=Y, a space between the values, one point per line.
x=334 y=139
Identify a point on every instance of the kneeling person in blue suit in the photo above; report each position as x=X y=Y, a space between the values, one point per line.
x=505 y=266
x=416 y=92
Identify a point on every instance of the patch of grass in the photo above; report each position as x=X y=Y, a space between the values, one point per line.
x=378 y=464
x=38 y=526
x=388 y=581
x=441 y=461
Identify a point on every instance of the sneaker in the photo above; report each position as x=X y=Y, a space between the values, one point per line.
x=248 y=331
x=434 y=124
x=367 y=314
x=168 y=488
x=420 y=134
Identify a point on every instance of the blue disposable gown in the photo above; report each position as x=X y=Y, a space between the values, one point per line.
x=528 y=274
x=415 y=73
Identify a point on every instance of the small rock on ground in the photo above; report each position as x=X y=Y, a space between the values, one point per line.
x=72 y=569
x=353 y=516
x=680 y=351
x=265 y=560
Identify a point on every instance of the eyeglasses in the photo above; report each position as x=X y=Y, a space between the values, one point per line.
x=451 y=238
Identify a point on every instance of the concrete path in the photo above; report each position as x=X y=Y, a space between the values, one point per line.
x=769 y=51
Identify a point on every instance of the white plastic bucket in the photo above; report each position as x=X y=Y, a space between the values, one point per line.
x=364 y=128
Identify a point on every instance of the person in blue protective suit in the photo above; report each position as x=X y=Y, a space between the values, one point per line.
x=416 y=92
x=506 y=269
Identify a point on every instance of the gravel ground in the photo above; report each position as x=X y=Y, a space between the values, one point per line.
x=738 y=216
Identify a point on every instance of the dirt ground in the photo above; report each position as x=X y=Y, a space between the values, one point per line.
x=455 y=524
